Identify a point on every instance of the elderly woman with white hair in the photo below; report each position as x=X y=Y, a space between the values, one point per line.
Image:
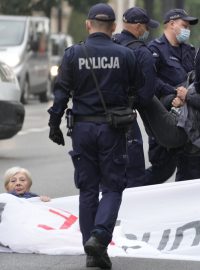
x=18 y=181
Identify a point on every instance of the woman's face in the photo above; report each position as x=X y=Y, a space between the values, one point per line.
x=18 y=183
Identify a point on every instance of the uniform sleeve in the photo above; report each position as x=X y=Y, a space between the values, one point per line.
x=167 y=100
x=62 y=88
x=161 y=88
x=135 y=72
x=139 y=77
x=146 y=61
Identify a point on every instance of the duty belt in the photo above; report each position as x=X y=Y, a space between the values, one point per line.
x=90 y=118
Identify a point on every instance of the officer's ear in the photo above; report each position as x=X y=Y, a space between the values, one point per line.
x=88 y=25
x=114 y=27
x=171 y=23
x=138 y=29
x=137 y=26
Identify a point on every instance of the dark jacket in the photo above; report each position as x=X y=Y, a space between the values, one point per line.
x=114 y=66
x=173 y=65
x=26 y=195
x=146 y=62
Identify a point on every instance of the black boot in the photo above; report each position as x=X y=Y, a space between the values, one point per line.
x=97 y=255
x=102 y=262
x=94 y=247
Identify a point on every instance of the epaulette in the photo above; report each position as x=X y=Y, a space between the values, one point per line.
x=74 y=45
x=186 y=45
x=134 y=44
x=115 y=38
x=158 y=40
x=156 y=55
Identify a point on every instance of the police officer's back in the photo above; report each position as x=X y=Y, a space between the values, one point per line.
x=136 y=25
x=99 y=151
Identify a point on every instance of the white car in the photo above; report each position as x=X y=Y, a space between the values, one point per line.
x=59 y=42
x=12 y=111
x=24 y=46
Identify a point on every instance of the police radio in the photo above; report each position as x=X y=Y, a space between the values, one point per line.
x=70 y=121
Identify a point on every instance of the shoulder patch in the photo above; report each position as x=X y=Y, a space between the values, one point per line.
x=188 y=46
x=115 y=38
x=157 y=40
x=72 y=47
x=155 y=54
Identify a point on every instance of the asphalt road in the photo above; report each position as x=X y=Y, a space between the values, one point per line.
x=49 y=164
x=52 y=173
x=42 y=262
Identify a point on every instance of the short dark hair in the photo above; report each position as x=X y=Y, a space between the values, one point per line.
x=106 y=25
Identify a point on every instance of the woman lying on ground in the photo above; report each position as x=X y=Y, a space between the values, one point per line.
x=18 y=183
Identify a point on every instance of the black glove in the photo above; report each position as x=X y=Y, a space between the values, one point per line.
x=197 y=71
x=55 y=134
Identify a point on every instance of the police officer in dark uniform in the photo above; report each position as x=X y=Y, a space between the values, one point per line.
x=99 y=151
x=136 y=24
x=174 y=60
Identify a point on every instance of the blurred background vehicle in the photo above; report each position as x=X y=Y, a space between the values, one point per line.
x=11 y=109
x=59 y=42
x=24 y=45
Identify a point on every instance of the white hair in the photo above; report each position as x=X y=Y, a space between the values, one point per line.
x=14 y=170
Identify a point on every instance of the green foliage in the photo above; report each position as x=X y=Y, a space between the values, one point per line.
x=84 y=5
x=78 y=17
x=140 y=3
x=25 y=7
x=81 y=7
x=45 y=6
x=193 y=8
x=15 y=7
x=77 y=26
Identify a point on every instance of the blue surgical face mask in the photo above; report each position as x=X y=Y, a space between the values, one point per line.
x=145 y=36
x=183 y=36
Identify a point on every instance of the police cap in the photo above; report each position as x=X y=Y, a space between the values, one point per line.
x=139 y=15
x=101 y=12
x=177 y=13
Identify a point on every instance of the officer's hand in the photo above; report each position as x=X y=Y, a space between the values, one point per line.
x=177 y=102
x=182 y=93
x=55 y=134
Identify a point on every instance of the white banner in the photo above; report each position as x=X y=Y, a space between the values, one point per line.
x=160 y=221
